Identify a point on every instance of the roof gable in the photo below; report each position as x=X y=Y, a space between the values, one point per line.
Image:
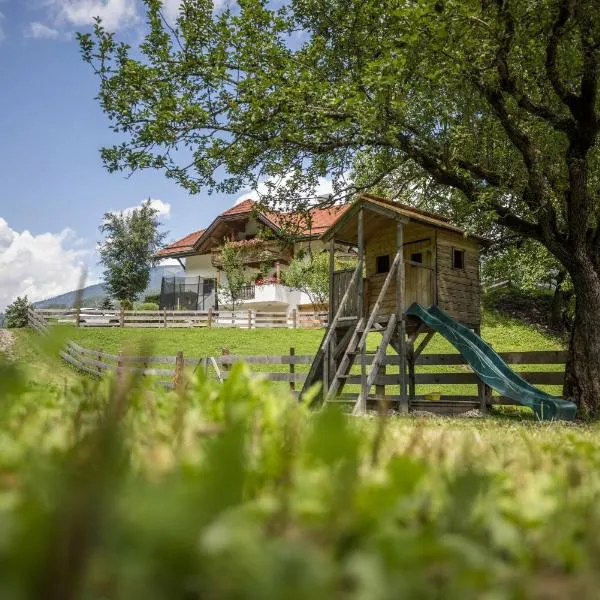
x=301 y=225
x=393 y=210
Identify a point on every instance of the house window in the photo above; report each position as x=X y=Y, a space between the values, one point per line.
x=382 y=264
x=416 y=257
x=458 y=259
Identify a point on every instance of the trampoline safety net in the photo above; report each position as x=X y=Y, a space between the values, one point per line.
x=188 y=293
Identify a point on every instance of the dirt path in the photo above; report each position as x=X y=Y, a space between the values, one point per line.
x=7 y=340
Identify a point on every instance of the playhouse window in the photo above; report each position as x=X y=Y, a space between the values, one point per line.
x=458 y=259
x=382 y=264
x=416 y=257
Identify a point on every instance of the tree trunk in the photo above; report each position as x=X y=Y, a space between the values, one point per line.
x=582 y=376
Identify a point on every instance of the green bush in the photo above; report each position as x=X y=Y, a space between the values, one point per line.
x=155 y=298
x=147 y=306
x=16 y=313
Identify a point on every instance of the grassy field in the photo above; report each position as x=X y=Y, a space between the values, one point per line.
x=40 y=364
x=502 y=333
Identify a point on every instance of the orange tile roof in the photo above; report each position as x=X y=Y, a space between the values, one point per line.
x=182 y=246
x=242 y=207
x=320 y=220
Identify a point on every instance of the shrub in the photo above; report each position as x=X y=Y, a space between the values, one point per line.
x=16 y=313
x=154 y=298
x=107 y=303
x=147 y=306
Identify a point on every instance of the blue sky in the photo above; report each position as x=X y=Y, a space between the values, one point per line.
x=54 y=189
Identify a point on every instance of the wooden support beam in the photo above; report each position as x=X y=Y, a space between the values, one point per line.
x=401 y=319
x=410 y=360
x=331 y=271
x=483 y=391
x=360 y=406
x=361 y=306
x=424 y=342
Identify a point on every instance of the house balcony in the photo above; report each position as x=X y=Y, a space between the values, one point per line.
x=255 y=252
x=270 y=296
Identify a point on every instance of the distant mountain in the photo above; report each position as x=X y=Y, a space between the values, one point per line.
x=92 y=295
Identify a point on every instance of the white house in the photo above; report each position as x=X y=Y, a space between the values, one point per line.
x=268 y=241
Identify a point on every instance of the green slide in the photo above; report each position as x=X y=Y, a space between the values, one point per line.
x=490 y=368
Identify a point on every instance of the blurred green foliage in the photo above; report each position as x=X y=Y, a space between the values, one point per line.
x=111 y=490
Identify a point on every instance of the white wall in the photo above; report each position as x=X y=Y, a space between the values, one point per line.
x=200 y=266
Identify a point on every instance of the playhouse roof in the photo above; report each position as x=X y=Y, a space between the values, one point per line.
x=302 y=226
x=344 y=227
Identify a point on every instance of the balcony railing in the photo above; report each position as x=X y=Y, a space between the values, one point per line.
x=248 y=292
x=256 y=251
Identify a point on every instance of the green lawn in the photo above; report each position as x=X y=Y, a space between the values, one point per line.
x=503 y=334
x=39 y=362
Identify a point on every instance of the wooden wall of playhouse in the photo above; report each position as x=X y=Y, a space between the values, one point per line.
x=435 y=279
x=459 y=290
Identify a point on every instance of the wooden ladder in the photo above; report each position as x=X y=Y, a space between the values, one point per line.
x=357 y=344
x=320 y=364
x=360 y=406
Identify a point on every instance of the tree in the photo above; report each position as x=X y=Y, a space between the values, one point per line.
x=235 y=275
x=310 y=274
x=17 y=313
x=106 y=304
x=129 y=251
x=495 y=99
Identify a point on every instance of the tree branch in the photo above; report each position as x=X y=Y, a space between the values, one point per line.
x=557 y=31
x=508 y=83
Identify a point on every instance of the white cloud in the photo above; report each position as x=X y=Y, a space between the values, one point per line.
x=115 y=14
x=163 y=208
x=324 y=187
x=170 y=10
x=40 y=31
x=40 y=266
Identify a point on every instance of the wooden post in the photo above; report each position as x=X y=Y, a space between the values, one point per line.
x=119 y=365
x=483 y=391
x=164 y=317
x=361 y=311
x=122 y=317
x=99 y=359
x=78 y=312
x=249 y=319
x=331 y=279
x=278 y=271
x=292 y=369
x=401 y=321
x=178 y=376
x=225 y=366
x=294 y=318
x=410 y=359
x=210 y=316
x=380 y=389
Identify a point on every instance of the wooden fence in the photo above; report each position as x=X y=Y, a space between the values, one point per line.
x=243 y=319
x=432 y=371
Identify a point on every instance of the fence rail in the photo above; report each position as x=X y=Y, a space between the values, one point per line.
x=243 y=319
x=292 y=368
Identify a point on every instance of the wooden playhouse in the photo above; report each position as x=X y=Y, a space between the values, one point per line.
x=405 y=256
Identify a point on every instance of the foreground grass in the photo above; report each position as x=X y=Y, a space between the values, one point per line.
x=114 y=492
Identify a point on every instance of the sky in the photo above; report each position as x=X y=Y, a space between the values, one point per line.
x=53 y=187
